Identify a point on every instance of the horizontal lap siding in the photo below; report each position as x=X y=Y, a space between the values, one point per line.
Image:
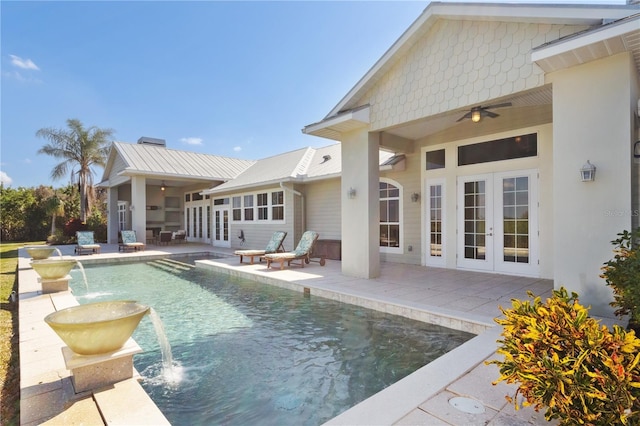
x=324 y=209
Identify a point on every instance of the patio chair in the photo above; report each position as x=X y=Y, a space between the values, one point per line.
x=302 y=251
x=130 y=242
x=86 y=243
x=180 y=236
x=274 y=246
x=165 y=237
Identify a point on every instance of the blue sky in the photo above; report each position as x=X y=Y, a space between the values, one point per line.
x=236 y=79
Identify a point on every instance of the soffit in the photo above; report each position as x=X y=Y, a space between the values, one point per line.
x=599 y=43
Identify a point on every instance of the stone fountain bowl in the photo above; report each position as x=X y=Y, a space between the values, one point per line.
x=97 y=328
x=39 y=252
x=53 y=269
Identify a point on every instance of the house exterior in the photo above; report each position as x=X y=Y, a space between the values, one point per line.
x=463 y=147
x=500 y=188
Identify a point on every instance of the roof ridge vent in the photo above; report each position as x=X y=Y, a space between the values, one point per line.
x=144 y=140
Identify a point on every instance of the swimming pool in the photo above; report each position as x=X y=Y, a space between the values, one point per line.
x=252 y=353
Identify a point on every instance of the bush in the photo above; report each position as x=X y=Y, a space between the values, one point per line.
x=564 y=360
x=72 y=226
x=622 y=274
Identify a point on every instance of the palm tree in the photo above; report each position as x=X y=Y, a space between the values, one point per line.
x=80 y=149
x=54 y=206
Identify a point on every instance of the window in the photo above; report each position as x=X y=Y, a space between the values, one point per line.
x=263 y=209
x=221 y=201
x=277 y=205
x=199 y=222
x=389 y=215
x=435 y=220
x=248 y=207
x=187 y=197
x=435 y=159
x=208 y=222
x=237 y=208
x=499 y=149
x=264 y=206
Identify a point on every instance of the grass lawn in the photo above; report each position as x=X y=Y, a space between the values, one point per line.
x=9 y=350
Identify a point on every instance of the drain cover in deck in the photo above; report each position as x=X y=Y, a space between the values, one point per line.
x=467 y=405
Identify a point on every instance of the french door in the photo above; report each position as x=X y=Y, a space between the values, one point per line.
x=220 y=226
x=498 y=222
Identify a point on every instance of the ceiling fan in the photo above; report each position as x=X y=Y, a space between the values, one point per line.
x=476 y=113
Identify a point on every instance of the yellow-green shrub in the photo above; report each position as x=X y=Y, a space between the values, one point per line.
x=563 y=360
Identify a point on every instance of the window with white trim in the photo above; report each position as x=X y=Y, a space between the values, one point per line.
x=277 y=205
x=390 y=216
x=248 y=207
x=263 y=206
x=236 y=203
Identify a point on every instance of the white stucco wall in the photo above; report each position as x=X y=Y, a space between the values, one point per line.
x=591 y=122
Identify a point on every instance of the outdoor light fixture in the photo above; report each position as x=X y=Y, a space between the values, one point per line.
x=162 y=187
x=588 y=172
x=415 y=197
x=476 y=115
x=351 y=193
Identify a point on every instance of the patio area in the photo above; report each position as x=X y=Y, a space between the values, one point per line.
x=458 y=299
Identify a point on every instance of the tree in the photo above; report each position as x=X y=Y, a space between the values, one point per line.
x=81 y=149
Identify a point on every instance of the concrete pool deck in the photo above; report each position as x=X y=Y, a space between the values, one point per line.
x=458 y=299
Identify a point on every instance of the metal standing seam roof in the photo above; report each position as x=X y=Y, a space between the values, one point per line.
x=303 y=165
x=279 y=168
x=148 y=159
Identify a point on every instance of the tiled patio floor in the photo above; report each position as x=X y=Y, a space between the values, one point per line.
x=458 y=299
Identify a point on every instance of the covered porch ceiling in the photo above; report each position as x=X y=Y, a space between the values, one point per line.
x=528 y=108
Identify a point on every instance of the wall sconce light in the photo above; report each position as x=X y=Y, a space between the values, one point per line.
x=351 y=193
x=476 y=115
x=162 y=186
x=415 y=197
x=588 y=172
x=131 y=207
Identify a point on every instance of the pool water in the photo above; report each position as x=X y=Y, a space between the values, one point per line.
x=249 y=353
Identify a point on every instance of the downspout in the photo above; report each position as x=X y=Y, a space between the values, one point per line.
x=299 y=194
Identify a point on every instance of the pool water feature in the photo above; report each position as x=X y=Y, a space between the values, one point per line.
x=250 y=353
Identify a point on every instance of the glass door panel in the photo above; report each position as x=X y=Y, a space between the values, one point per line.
x=475 y=235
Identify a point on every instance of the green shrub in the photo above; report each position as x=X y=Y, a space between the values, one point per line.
x=622 y=274
x=565 y=361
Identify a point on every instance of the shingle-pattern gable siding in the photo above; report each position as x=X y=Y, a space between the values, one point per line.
x=458 y=64
x=147 y=159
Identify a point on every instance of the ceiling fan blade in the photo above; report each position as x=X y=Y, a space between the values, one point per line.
x=464 y=117
x=505 y=104
x=490 y=114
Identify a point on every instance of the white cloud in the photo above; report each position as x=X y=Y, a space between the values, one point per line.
x=26 y=64
x=5 y=179
x=237 y=148
x=191 y=141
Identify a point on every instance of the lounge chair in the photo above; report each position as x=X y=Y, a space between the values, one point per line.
x=302 y=251
x=274 y=246
x=130 y=242
x=86 y=243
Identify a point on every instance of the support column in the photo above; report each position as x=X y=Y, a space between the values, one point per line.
x=139 y=206
x=360 y=204
x=112 y=215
